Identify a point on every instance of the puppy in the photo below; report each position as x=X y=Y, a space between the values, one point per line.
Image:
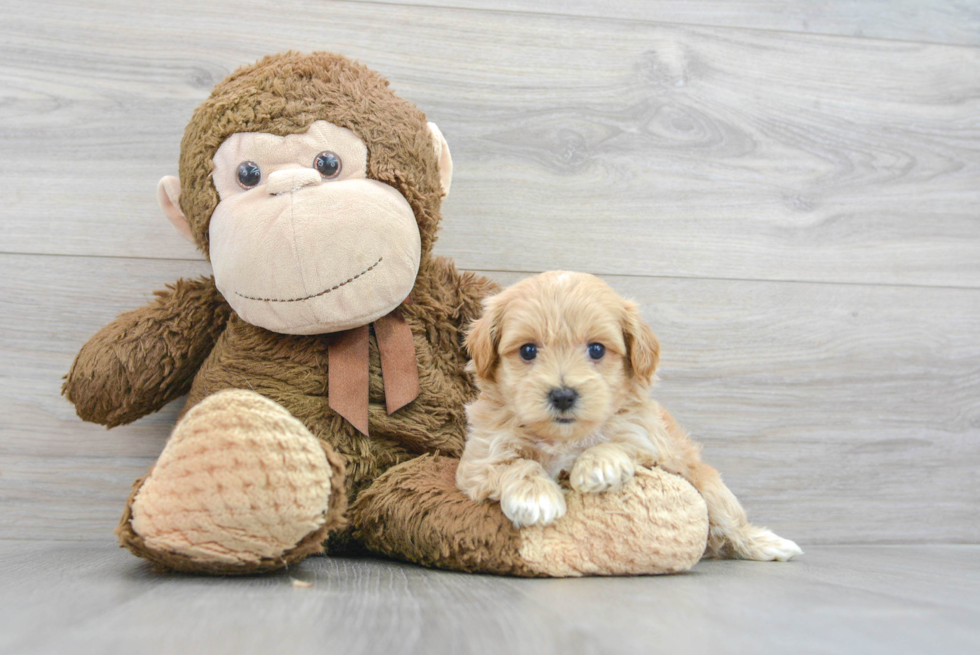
x=564 y=368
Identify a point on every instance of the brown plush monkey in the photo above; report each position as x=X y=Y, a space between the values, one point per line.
x=315 y=192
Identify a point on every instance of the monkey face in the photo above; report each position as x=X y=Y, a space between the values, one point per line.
x=302 y=242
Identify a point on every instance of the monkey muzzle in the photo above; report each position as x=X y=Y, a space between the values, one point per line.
x=298 y=256
x=291 y=179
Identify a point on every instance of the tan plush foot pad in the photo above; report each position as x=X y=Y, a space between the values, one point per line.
x=241 y=487
x=658 y=523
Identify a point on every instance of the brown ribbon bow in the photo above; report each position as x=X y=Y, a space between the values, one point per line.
x=348 y=375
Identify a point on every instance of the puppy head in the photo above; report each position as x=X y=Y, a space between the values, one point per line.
x=562 y=351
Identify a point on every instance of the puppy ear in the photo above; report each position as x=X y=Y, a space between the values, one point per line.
x=483 y=338
x=642 y=347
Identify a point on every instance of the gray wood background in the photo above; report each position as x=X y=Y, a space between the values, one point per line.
x=791 y=190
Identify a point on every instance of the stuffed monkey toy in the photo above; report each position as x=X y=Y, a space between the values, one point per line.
x=322 y=362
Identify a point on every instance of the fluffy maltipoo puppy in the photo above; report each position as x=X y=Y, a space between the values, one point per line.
x=564 y=367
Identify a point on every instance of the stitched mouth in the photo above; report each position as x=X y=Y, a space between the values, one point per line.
x=316 y=295
x=565 y=420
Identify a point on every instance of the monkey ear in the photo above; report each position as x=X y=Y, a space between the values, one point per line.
x=168 y=195
x=483 y=338
x=642 y=347
x=445 y=159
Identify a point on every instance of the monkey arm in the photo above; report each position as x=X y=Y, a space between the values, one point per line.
x=472 y=289
x=147 y=357
x=455 y=296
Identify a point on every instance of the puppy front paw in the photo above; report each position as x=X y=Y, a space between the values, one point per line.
x=765 y=546
x=601 y=468
x=533 y=501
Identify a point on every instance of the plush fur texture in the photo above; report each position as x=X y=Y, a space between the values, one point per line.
x=147 y=357
x=564 y=367
x=657 y=523
x=265 y=482
x=293 y=371
x=283 y=94
x=247 y=453
x=190 y=341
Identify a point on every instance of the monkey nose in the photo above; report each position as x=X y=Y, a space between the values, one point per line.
x=290 y=179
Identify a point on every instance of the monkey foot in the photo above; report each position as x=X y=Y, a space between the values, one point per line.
x=241 y=487
x=656 y=523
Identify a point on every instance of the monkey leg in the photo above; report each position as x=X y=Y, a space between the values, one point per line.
x=241 y=487
x=656 y=523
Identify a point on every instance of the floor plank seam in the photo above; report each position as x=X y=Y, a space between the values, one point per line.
x=887 y=285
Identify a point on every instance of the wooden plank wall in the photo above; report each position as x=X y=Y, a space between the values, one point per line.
x=791 y=190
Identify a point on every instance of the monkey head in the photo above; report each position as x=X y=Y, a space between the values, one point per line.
x=313 y=189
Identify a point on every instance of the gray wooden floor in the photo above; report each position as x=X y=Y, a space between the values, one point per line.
x=846 y=599
x=791 y=189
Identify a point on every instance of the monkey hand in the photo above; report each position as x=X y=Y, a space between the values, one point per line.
x=147 y=357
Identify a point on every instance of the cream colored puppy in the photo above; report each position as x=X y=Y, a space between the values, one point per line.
x=564 y=367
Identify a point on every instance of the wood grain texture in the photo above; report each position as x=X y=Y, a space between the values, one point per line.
x=783 y=205
x=94 y=598
x=65 y=498
x=837 y=413
x=48 y=309
x=654 y=149
x=931 y=21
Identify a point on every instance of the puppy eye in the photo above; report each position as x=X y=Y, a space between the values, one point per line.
x=327 y=164
x=249 y=174
x=528 y=352
x=596 y=351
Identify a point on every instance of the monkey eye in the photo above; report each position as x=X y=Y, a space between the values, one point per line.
x=327 y=164
x=528 y=352
x=596 y=351
x=249 y=174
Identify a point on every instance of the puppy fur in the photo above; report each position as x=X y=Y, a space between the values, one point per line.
x=564 y=409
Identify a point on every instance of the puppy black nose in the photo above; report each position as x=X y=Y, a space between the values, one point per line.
x=562 y=398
